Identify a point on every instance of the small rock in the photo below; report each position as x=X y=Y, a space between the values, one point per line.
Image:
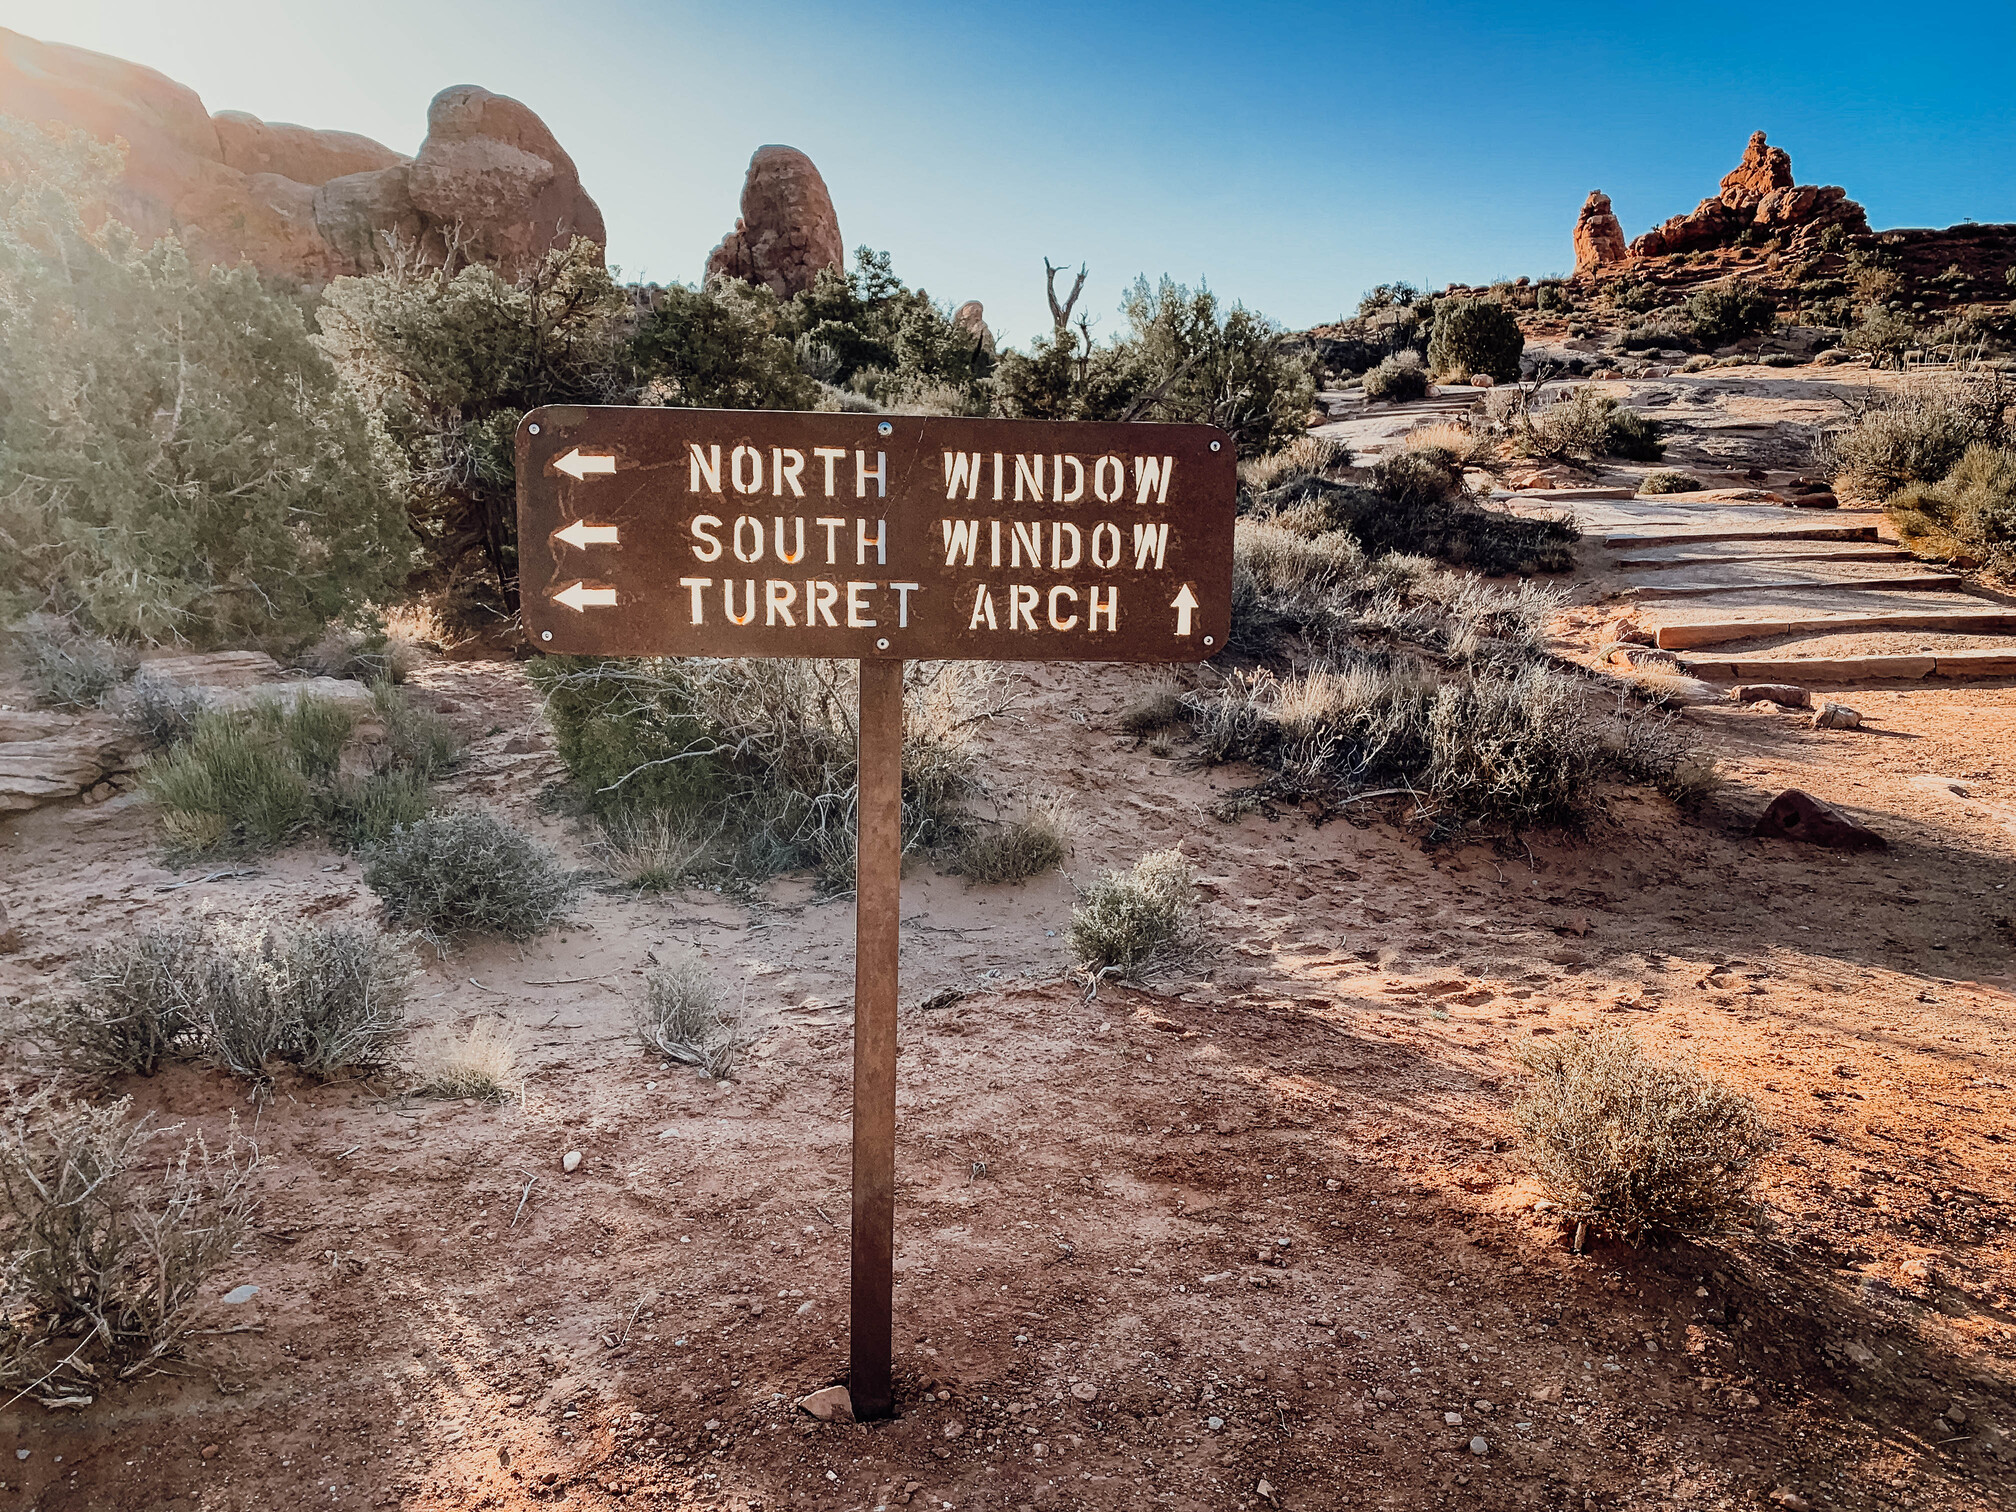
x=1833 y=716
x=504 y=1456
x=1956 y=1413
x=1384 y=1394
x=520 y=745
x=1479 y=1447
x=571 y=1161
x=210 y=1451
x=1085 y=1391
x=1214 y=1423
x=1265 y=1488
x=954 y=1428
x=1453 y=1419
x=1481 y=1406
x=22 y=1454
x=1791 y=1500
x=1917 y=1268
x=516 y=1399
x=1625 y=631
x=239 y=1294
x=10 y=937
x=1794 y=815
x=829 y=1404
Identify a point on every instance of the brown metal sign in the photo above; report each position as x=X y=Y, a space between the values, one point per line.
x=680 y=532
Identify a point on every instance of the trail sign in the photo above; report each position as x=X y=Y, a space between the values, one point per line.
x=884 y=538
x=759 y=533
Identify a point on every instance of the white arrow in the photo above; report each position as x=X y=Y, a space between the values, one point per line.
x=1184 y=602
x=577 y=464
x=583 y=535
x=580 y=597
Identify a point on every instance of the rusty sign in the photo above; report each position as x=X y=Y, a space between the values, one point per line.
x=678 y=532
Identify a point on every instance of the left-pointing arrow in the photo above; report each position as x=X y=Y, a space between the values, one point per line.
x=581 y=598
x=578 y=464
x=583 y=535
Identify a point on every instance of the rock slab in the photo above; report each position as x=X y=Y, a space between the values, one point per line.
x=787 y=231
x=1795 y=815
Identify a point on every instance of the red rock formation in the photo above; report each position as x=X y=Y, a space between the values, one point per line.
x=787 y=230
x=1599 y=239
x=971 y=317
x=1758 y=193
x=300 y=203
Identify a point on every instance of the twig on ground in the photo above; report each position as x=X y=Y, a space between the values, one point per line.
x=523 y=1198
x=216 y=876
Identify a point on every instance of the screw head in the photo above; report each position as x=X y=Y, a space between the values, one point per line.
x=884 y=429
x=534 y=430
x=1214 y=446
x=545 y=635
x=1207 y=640
x=882 y=645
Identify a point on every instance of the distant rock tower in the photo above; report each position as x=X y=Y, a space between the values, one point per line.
x=1599 y=239
x=787 y=230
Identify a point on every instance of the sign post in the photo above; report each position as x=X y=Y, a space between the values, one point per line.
x=881 y=539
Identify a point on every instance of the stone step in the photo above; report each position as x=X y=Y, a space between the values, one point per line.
x=1807 y=670
x=1763 y=579
x=1689 y=535
x=1717 y=632
x=1744 y=551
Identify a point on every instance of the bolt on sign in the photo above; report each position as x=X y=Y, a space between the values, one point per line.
x=758 y=533
x=670 y=532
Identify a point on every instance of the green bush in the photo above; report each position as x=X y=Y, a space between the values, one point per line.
x=1398 y=378
x=1131 y=921
x=1725 y=313
x=1632 y=436
x=1475 y=336
x=470 y=873
x=231 y=785
x=1883 y=335
x=179 y=462
x=1636 y=1147
x=1969 y=514
x=1586 y=425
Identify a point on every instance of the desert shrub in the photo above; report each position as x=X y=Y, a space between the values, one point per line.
x=70 y=668
x=1130 y=921
x=762 y=752
x=254 y=778
x=1655 y=338
x=1969 y=513
x=1883 y=335
x=180 y=463
x=1316 y=456
x=1510 y=745
x=1475 y=336
x=1419 y=506
x=1632 y=436
x=1450 y=438
x=1914 y=433
x=1669 y=483
x=1637 y=1147
x=471 y=873
x=1397 y=378
x=160 y=710
x=684 y=1016
x=101 y=1262
x=362 y=653
x=729 y=345
x=1725 y=313
x=481 y=1063
x=1585 y=425
x=239 y=993
x=1034 y=842
x=1156 y=707
x=653 y=850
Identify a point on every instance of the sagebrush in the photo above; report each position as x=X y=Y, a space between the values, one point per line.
x=1637 y=1147
x=1129 y=921
x=470 y=873
x=685 y=1016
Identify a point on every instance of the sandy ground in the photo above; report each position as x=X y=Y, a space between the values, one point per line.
x=1257 y=1235
x=1269 y=1216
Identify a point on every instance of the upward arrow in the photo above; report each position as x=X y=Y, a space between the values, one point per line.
x=1184 y=602
x=577 y=464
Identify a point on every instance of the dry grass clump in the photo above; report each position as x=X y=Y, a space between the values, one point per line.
x=685 y=1017
x=362 y=653
x=1314 y=456
x=1915 y=433
x=1034 y=842
x=1669 y=483
x=70 y=668
x=239 y=993
x=102 y=1262
x=652 y=850
x=160 y=710
x=1134 y=919
x=1580 y=427
x=470 y=873
x=1637 y=1147
x=763 y=751
x=1156 y=707
x=1451 y=438
x=479 y=1063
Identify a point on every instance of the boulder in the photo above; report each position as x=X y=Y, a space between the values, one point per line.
x=1599 y=238
x=1764 y=168
x=787 y=231
x=63 y=757
x=491 y=179
x=1794 y=815
x=971 y=317
x=1757 y=193
x=299 y=203
x=1786 y=695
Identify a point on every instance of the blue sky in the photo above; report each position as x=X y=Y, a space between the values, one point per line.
x=1290 y=155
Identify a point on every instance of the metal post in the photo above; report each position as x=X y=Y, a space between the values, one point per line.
x=878 y=864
